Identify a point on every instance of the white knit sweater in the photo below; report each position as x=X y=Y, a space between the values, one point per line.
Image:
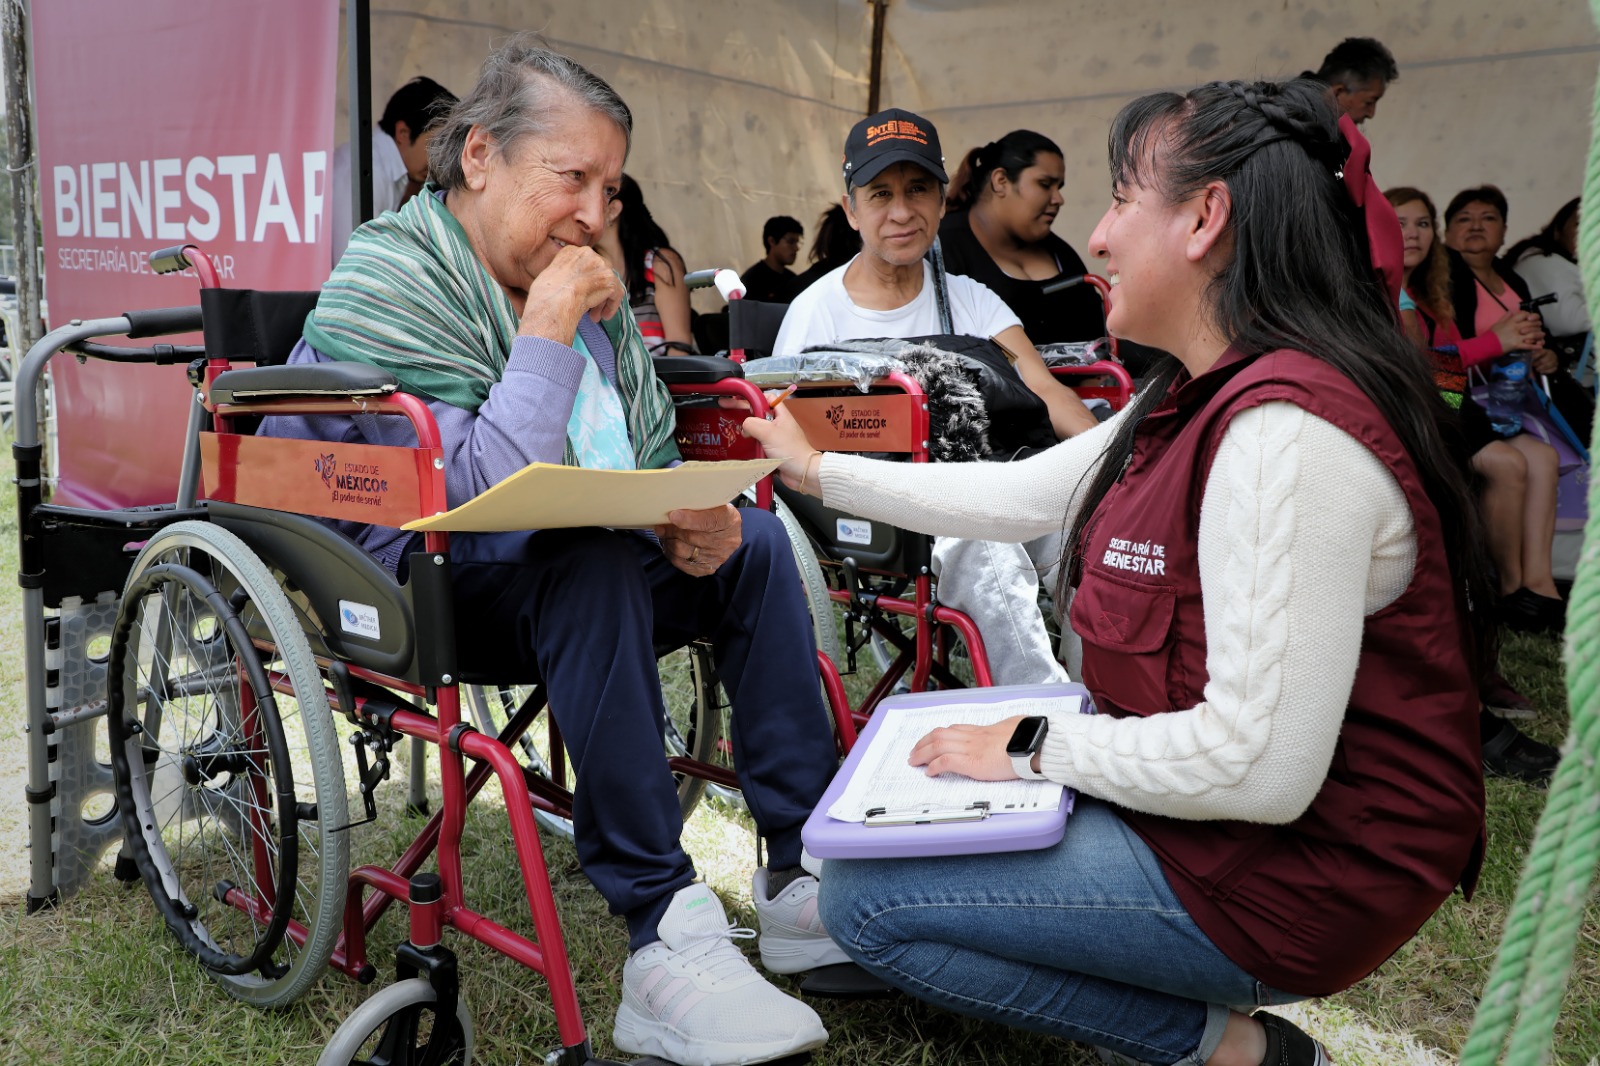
x=1303 y=532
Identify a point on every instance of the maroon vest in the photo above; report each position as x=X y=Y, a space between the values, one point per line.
x=1316 y=905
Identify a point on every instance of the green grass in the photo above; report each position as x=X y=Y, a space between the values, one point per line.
x=99 y=981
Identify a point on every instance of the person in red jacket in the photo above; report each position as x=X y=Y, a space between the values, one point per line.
x=1279 y=591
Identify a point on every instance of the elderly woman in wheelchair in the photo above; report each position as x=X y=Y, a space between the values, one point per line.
x=484 y=298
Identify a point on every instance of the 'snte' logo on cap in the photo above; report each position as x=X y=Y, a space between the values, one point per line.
x=898 y=128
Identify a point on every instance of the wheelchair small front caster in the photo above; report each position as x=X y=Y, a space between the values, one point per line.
x=400 y=1026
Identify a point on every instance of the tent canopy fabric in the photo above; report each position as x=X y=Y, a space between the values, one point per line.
x=741 y=108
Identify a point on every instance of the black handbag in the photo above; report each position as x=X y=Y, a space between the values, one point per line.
x=1019 y=421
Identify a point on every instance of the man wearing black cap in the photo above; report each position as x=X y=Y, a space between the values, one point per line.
x=894 y=196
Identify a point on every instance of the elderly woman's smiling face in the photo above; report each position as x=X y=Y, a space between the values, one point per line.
x=547 y=191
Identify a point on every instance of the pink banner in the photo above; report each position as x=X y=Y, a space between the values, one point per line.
x=161 y=123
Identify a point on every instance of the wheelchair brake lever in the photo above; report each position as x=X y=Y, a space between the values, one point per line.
x=858 y=613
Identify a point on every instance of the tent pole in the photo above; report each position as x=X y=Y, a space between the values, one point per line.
x=23 y=160
x=875 y=82
x=358 y=51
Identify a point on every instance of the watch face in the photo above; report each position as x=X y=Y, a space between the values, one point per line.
x=1028 y=735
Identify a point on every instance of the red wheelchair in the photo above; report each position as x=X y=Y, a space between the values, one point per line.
x=879 y=576
x=250 y=643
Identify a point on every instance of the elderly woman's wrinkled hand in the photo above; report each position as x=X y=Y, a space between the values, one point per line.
x=698 y=542
x=577 y=282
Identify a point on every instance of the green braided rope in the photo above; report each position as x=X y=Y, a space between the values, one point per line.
x=1520 y=1005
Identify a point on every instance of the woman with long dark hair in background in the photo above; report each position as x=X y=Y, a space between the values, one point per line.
x=1548 y=262
x=651 y=269
x=1004 y=199
x=1280 y=590
x=836 y=243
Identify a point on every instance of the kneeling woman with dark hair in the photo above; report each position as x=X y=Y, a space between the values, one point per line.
x=1283 y=783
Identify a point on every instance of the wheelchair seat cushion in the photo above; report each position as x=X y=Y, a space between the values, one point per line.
x=301 y=379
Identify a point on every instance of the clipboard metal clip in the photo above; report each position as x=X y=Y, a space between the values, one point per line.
x=925 y=815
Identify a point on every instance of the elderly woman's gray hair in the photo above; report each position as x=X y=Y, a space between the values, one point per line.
x=520 y=84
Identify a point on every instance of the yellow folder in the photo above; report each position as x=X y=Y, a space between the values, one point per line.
x=546 y=496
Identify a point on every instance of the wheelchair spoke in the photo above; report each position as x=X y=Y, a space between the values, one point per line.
x=215 y=776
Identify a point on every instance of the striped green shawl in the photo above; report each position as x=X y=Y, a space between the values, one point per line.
x=411 y=296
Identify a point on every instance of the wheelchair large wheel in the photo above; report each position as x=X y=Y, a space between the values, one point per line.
x=226 y=763
x=400 y=1026
x=697 y=718
x=824 y=618
x=491 y=708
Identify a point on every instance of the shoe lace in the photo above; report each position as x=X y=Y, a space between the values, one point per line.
x=713 y=950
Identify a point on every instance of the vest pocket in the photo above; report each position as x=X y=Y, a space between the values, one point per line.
x=1126 y=628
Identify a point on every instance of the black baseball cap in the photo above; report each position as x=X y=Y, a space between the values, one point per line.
x=893 y=136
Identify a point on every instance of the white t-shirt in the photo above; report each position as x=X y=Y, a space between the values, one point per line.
x=389 y=179
x=824 y=313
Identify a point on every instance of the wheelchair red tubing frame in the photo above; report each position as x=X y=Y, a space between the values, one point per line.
x=442 y=833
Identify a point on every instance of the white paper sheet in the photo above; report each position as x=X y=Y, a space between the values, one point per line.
x=547 y=496
x=885 y=778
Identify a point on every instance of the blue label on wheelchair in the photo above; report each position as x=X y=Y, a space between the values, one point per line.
x=361 y=619
x=853 y=531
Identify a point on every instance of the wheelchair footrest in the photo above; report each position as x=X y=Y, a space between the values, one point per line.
x=845 y=980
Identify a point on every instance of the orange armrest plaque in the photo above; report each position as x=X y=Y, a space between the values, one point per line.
x=373 y=484
x=858 y=423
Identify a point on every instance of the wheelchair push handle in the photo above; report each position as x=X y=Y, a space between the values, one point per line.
x=1072 y=281
x=727 y=282
x=159 y=321
x=186 y=257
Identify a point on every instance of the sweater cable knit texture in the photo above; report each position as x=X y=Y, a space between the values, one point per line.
x=1303 y=532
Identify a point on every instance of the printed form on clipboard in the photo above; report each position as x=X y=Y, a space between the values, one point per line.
x=885 y=781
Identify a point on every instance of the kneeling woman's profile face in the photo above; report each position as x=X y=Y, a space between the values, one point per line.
x=1151 y=249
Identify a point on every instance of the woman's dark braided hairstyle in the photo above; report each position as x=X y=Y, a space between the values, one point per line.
x=1299 y=277
x=1013 y=153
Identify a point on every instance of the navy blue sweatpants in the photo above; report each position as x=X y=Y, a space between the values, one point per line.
x=589 y=607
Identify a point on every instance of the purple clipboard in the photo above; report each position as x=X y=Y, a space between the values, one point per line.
x=829 y=838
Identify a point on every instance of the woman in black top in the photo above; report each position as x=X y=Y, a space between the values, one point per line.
x=1003 y=200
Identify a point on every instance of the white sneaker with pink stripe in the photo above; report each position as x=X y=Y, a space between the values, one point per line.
x=693 y=998
x=792 y=937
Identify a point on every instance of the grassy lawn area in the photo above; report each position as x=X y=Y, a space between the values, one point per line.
x=98 y=980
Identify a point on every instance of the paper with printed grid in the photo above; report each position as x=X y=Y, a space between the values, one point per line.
x=885 y=777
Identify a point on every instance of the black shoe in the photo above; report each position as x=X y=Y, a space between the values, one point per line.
x=1288 y=1045
x=1509 y=752
x=1528 y=612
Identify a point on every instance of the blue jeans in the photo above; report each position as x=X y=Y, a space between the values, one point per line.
x=589 y=608
x=1083 y=940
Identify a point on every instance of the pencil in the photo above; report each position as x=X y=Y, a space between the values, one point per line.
x=774 y=401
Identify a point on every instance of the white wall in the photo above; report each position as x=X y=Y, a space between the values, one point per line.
x=742 y=106
x=1489 y=91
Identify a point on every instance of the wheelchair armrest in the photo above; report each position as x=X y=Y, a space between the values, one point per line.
x=693 y=369
x=301 y=379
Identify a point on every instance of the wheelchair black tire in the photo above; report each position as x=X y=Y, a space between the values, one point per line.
x=203 y=581
x=396 y=1013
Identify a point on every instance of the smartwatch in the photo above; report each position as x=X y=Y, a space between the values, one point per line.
x=1025 y=742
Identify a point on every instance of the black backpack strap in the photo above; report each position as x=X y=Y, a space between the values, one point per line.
x=941 y=289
